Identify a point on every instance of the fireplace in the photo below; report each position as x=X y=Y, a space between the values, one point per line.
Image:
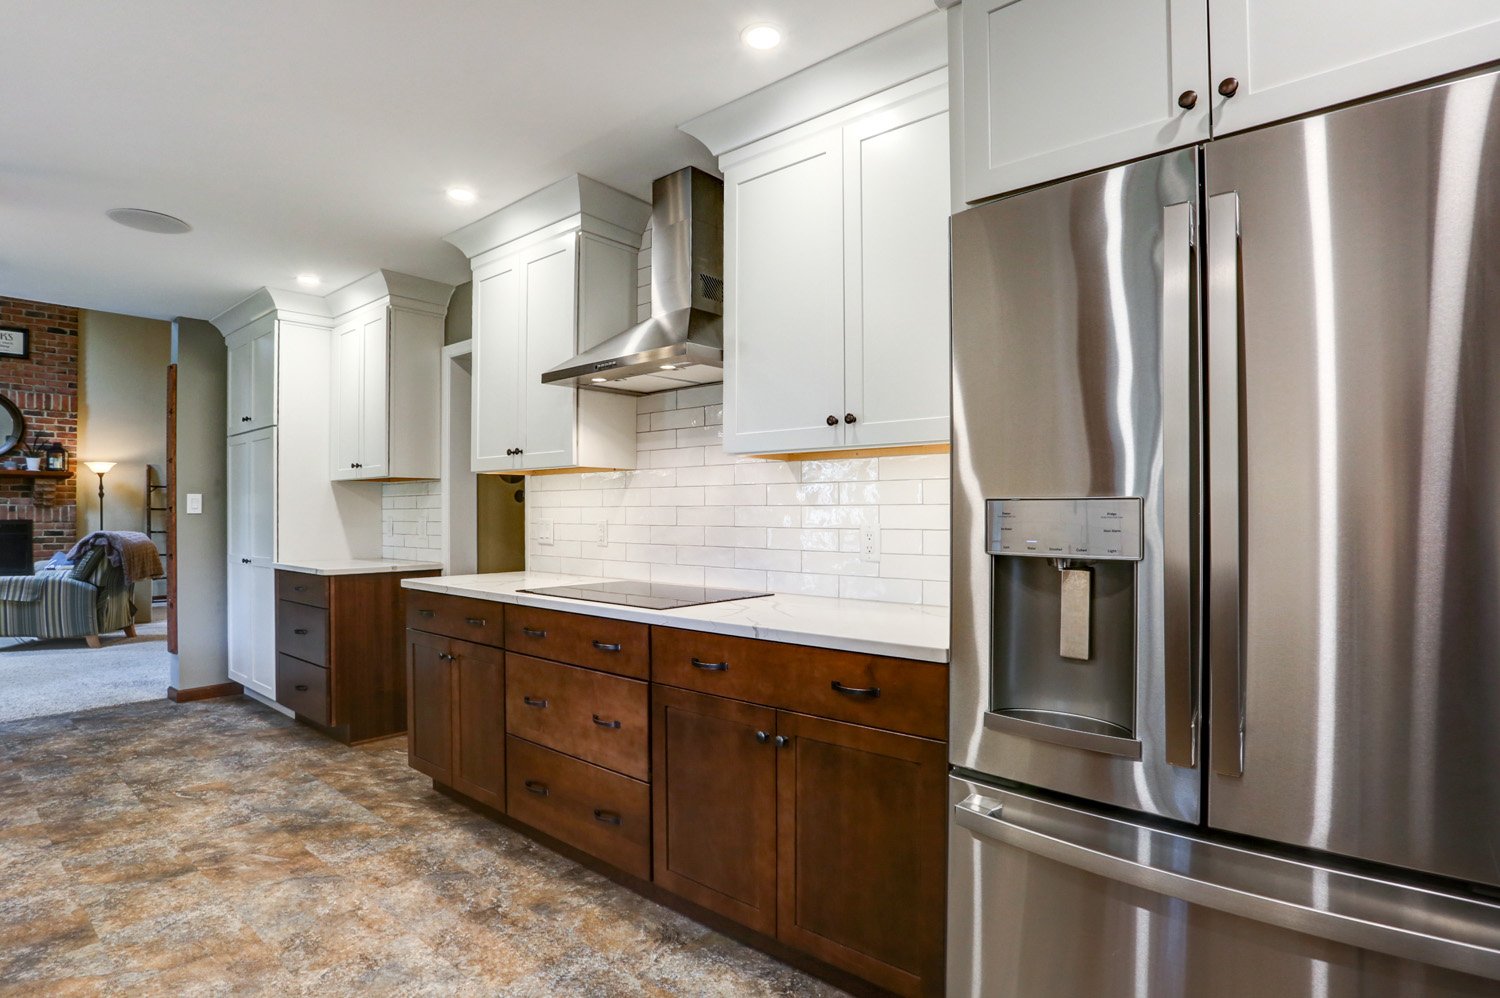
x=15 y=547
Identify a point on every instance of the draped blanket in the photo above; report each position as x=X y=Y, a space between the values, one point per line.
x=131 y=551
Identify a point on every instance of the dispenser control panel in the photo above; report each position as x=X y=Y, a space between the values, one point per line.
x=1086 y=529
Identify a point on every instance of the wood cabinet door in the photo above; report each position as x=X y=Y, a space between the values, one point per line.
x=429 y=706
x=347 y=406
x=861 y=850
x=479 y=722
x=784 y=298
x=896 y=207
x=714 y=800
x=1053 y=88
x=374 y=398
x=495 y=385
x=550 y=316
x=1289 y=57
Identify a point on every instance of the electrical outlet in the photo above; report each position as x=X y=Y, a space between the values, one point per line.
x=543 y=531
x=195 y=502
x=601 y=535
x=869 y=544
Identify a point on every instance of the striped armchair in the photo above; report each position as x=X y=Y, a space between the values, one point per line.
x=64 y=600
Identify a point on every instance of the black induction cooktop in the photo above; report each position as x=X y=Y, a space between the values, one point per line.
x=646 y=595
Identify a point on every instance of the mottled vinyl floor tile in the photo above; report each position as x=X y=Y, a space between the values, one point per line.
x=218 y=848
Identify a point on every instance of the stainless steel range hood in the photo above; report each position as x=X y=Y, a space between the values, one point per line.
x=682 y=344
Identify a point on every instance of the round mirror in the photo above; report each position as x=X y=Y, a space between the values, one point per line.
x=12 y=426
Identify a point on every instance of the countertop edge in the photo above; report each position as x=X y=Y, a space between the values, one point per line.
x=392 y=568
x=665 y=618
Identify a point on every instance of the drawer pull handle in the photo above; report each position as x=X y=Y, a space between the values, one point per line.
x=445 y=656
x=537 y=702
x=605 y=724
x=607 y=817
x=532 y=632
x=537 y=787
x=710 y=666
x=855 y=691
x=299 y=630
x=606 y=647
x=301 y=687
x=299 y=589
x=424 y=613
x=475 y=621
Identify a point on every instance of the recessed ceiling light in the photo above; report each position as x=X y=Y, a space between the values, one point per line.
x=761 y=36
x=309 y=280
x=460 y=195
x=669 y=367
x=598 y=380
x=149 y=221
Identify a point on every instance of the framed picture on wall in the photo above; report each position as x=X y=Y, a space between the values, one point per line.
x=15 y=342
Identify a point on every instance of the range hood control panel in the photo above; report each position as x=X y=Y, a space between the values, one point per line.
x=1086 y=529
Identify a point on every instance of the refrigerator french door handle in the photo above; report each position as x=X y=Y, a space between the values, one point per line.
x=1442 y=929
x=1225 y=662
x=1179 y=325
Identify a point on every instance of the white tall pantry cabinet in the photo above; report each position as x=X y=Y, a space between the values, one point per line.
x=280 y=504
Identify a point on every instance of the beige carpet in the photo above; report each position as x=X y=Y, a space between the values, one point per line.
x=40 y=678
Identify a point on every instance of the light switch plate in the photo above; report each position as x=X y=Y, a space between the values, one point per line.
x=543 y=531
x=195 y=502
x=601 y=537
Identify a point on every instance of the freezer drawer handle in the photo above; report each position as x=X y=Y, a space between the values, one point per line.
x=1445 y=930
x=710 y=666
x=870 y=692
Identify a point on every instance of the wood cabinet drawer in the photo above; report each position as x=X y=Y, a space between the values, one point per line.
x=303 y=687
x=301 y=587
x=302 y=632
x=603 y=813
x=477 y=620
x=617 y=646
x=894 y=693
x=597 y=717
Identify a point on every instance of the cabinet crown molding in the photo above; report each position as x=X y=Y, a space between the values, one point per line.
x=570 y=197
x=417 y=291
x=293 y=305
x=904 y=53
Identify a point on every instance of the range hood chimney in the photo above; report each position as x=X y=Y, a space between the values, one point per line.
x=682 y=344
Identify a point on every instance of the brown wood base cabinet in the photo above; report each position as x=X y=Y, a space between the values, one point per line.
x=799 y=792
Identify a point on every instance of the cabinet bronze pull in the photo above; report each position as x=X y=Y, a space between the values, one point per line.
x=833 y=421
x=536 y=702
x=710 y=666
x=606 y=647
x=782 y=741
x=301 y=688
x=849 y=417
x=762 y=737
x=299 y=589
x=605 y=724
x=608 y=817
x=475 y=621
x=424 y=613
x=537 y=787
x=1229 y=86
x=299 y=630
x=855 y=691
x=1187 y=100
x=445 y=656
x=532 y=632
x=244 y=419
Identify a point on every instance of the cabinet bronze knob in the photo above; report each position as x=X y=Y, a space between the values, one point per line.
x=848 y=417
x=833 y=421
x=1187 y=100
x=782 y=741
x=762 y=737
x=1229 y=86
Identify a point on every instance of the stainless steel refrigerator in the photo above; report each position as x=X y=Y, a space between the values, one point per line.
x=1226 y=564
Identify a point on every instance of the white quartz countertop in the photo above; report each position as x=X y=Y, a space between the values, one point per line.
x=895 y=629
x=357 y=566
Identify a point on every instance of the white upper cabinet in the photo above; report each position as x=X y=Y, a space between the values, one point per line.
x=1053 y=88
x=252 y=377
x=836 y=257
x=554 y=274
x=385 y=371
x=1282 y=58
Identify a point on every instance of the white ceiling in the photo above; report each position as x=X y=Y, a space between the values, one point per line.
x=320 y=135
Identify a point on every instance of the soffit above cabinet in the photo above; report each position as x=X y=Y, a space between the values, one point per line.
x=577 y=199
x=417 y=293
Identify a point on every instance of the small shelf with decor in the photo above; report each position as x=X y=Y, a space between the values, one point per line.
x=24 y=473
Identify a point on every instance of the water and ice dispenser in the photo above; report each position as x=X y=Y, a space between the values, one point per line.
x=1064 y=581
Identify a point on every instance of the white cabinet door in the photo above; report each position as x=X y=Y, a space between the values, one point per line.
x=784 y=299
x=241 y=499
x=263 y=380
x=1289 y=57
x=896 y=204
x=1058 y=87
x=550 y=312
x=495 y=395
x=374 y=420
x=347 y=403
x=252 y=377
x=252 y=497
x=241 y=408
x=252 y=627
x=241 y=646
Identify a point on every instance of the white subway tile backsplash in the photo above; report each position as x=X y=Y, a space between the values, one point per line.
x=693 y=514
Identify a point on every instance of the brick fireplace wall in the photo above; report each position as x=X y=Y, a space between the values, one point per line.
x=45 y=388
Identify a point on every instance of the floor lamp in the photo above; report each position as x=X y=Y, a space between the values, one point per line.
x=99 y=468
